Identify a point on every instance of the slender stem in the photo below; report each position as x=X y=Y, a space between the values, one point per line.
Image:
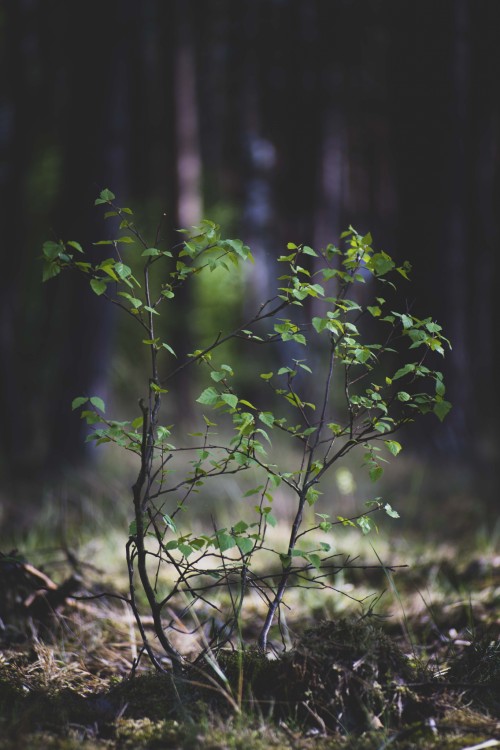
x=222 y=339
x=287 y=570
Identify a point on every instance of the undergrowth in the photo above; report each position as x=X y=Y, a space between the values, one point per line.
x=421 y=671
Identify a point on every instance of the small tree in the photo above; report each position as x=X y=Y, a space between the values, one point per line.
x=368 y=388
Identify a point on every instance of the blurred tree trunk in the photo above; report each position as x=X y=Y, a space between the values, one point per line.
x=484 y=242
x=25 y=194
x=222 y=53
x=15 y=123
x=185 y=166
x=95 y=141
x=445 y=117
x=426 y=152
x=456 y=227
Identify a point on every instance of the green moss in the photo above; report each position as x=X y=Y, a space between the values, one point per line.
x=345 y=685
x=150 y=696
x=352 y=676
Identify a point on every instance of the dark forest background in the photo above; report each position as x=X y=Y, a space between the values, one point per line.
x=283 y=120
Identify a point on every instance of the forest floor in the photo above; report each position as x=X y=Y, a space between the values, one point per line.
x=417 y=668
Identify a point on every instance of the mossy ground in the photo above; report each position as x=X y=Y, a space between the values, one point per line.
x=424 y=672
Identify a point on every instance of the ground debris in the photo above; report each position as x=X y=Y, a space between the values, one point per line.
x=28 y=596
x=353 y=676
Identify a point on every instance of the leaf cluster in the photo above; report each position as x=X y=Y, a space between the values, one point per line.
x=369 y=388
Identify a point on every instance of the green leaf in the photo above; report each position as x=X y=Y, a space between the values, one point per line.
x=404 y=269
x=163 y=432
x=199 y=542
x=98 y=286
x=77 y=402
x=245 y=544
x=210 y=396
x=390 y=511
x=315 y=289
x=157 y=389
x=170 y=523
x=244 y=422
x=365 y=524
x=329 y=273
x=362 y=355
x=122 y=270
x=149 y=251
x=105 y=196
x=90 y=416
x=314 y=559
x=441 y=409
x=247 y=403
x=75 y=245
x=271 y=520
x=312 y=496
x=218 y=376
x=110 y=271
x=403 y=371
x=381 y=263
x=98 y=403
x=52 y=250
x=393 y=446
x=319 y=324
x=308 y=251
x=440 y=387
x=267 y=418
x=240 y=527
x=169 y=349
x=253 y=491
x=404 y=396
x=134 y=301
x=346 y=521
x=50 y=270
x=230 y=399
x=375 y=472
x=225 y=541
x=432 y=327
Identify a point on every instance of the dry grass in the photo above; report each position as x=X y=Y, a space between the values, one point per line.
x=66 y=685
x=435 y=612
